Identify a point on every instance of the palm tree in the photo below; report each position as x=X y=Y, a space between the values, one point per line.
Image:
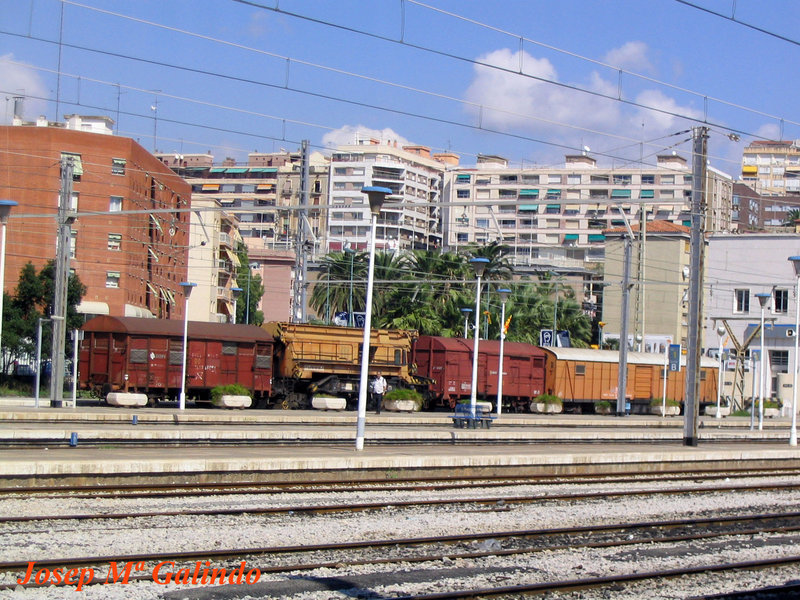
x=335 y=288
x=791 y=218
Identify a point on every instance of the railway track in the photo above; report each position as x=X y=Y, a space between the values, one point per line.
x=441 y=553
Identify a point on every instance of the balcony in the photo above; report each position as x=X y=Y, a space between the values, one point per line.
x=225 y=240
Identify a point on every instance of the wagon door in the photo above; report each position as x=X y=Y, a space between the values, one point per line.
x=642 y=381
x=236 y=364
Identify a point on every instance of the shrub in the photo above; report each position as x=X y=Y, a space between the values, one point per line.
x=658 y=402
x=603 y=404
x=548 y=399
x=772 y=404
x=233 y=389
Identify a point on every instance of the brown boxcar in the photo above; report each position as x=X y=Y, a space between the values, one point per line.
x=326 y=359
x=448 y=362
x=146 y=356
x=581 y=377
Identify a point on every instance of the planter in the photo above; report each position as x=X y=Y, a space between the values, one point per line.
x=602 y=410
x=125 y=399
x=483 y=407
x=541 y=407
x=328 y=403
x=711 y=410
x=671 y=411
x=400 y=405
x=772 y=412
x=232 y=401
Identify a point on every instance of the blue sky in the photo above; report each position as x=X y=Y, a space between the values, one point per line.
x=232 y=77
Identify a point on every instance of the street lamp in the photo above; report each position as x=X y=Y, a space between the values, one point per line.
x=720 y=333
x=187 y=290
x=5 y=210
x=763 y=300
x=376 y=196
x=504 y=293
x=555 y=316
x=793 y=431
x=466 y=312
x=250 y=267
x=236 y=293
x=479 y=265
x=351 y=252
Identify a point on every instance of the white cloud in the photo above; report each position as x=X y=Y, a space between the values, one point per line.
x=769 y=131
x=526 y=105
x=349 y=134
x=17 y=79
x=631 y=56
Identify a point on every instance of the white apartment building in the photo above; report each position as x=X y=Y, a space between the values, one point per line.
x=554 y=217
x=772 y=168
x=410 y=218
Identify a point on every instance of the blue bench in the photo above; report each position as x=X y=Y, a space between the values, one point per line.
x=463 y=417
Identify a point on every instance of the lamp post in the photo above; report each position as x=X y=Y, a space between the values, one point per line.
x=250 y=267
x=504 y=293
x=5 y=210
x=793 y=431
x=187 y=290
x=236 y=293
x=720 y=333
x=555 y=317
x=352 y=253
x=763 y=300
x=465 y=312
x=376 y=196
x=479 y=265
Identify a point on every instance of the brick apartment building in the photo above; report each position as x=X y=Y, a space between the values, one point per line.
x=129 y=241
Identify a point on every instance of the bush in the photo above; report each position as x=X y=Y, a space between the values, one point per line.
x=405 y=394
x=233 y=389
x=772 y=404
x=603 y=404
x=658 y=402
x=548 y=399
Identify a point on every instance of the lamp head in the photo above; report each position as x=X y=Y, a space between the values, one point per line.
x=466 y=311
x=187 y=287
x=504 y=293
x=236 y=291
x=479 y=265
x=720 y=330
x=763 y=298
x=796 y=262
x=5 y=209
x=376 y=195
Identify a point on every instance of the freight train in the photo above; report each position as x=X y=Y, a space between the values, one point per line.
x=284 y=365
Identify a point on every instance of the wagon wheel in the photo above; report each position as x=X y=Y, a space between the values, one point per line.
x=284 y=404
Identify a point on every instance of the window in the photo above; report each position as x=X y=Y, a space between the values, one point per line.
x=462 y=238
x=115 y=204
x=530 y=179
x=667 y=179
x=508 y=178
x=598 y=179
x=77 y=165
x=779 y=360
x=112 y=279
x=73 y=241
x=780 y=301
x=622 y=179
x=73 y=205
x=573 y=179
x=114 y=241
x=462 y=193
x=554 y=178
x=648 y=179
x=742 y=301
x=482 y=223
x=118 y=166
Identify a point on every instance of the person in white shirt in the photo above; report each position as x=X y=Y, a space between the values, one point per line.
x=377 y=388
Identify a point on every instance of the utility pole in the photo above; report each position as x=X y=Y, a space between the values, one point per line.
x=622 y=378
x=300 y=249
x=696 y=250
x=59 y=316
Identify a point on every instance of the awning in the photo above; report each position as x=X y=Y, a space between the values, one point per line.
x=236 y=170
x=620 y=193
x=750 y=169
x=232 y=257
x=554 y=192
x=553 y=206
x=152 y=289
x=665 y=208
x=156 y=223
x=218 y=169
x=170 y=296
x=571 y=237
x=529 y=207
x=529 y=193
x=138 y=311
x=266 y=187
x=210 y=187
x=263 y=169
x=92 y=308
x=597 y=237
x=647 y=194
x=573 y=207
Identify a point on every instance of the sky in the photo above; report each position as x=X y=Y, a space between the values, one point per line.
x=529 y=80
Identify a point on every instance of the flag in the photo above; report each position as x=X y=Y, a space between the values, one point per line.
x=488 y=316
x=508 y=322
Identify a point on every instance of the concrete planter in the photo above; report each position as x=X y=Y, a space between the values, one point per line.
x=541 y=407
x=603 y=410
x=231 y=401
x=711 y=410
x=483 y=407
x=671 y=411
x=400 y=405
x=326 y=403
x=126 y=399
x=772 y=412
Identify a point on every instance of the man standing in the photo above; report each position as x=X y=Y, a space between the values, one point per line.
x=377 y=388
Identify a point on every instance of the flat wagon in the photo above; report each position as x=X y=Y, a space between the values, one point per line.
x=448 y=363
x=323 y=359
x=581 y=377
x=129 y=354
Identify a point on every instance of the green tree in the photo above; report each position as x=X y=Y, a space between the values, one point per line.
x=791 y=218
x=247 y=303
